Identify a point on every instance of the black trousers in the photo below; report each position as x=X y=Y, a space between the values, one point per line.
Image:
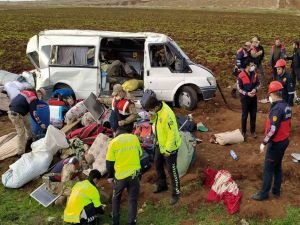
x=132 y=184
x=171 y=162
x=272 y=167
x=249 y=105
x=275 y=74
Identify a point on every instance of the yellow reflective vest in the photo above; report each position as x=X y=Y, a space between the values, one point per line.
x=166 y=130
x=125 y=150
x=83 y=193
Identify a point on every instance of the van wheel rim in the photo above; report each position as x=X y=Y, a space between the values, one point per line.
x=185 y=99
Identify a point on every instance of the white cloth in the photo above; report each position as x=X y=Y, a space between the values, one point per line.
x=223 y=183
x=13 y=88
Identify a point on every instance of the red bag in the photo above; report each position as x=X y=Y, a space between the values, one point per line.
x=213 y=197
x=209 y=175
x=232 y=202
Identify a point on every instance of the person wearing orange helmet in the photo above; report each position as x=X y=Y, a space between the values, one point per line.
x=277 y=140
x=286 y=81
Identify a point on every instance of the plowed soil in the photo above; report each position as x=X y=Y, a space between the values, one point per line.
x=209 y=38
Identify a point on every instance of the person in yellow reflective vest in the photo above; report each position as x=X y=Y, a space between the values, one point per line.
x=123 y=167
x=84 y=202
x=169 y=141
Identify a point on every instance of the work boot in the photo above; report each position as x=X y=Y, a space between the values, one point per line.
x=159 y=189
x=253 y=135
x=259 y=197
x=174 y=199
x=276 y=194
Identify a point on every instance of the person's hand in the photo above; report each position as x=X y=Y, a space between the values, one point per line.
x=101 y=100
x=262 y=148
x=250 y=94
x=43 y=126
x=253 y=91
x=103 y=206
x=110 y=180
x=260 y=52
x=121 y=123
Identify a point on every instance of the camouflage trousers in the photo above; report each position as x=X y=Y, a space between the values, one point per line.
x=23 y=129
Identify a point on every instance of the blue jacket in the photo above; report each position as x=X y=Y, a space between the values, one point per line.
x=288 y=88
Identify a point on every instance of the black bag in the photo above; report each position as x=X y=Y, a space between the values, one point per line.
x=145 y=162
x=189 y=126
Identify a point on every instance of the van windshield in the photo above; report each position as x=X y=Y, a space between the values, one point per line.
x=179 y=49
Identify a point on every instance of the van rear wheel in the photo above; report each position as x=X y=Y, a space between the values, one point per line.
x=187 y=98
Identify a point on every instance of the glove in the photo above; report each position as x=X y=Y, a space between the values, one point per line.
x=262 y=148
x=43 y=126
x=91 y=219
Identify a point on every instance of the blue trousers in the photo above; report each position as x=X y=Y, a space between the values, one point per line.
x=272 y=167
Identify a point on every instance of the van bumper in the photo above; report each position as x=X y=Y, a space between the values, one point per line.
x=208 y=92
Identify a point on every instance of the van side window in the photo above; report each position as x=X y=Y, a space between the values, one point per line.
x=73 y=55
x=34 y=56
x=161 y=56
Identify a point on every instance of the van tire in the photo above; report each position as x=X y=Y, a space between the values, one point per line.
x=187 y=98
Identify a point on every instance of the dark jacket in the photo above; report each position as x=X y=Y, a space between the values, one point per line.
x=25 y=102
x=278 y=123
x=288 y=88
x=273 y=57
x=262 y=56
x=241 y=55
x=247 y=82
x=295 y=59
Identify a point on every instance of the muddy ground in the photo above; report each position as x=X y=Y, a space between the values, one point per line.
x=247 y=171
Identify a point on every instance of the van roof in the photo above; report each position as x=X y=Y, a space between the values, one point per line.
x=112 y=34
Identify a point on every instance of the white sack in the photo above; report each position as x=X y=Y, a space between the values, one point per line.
x=229 y=137
x=75 y=112
x=8 y=145
x=7 y=76
x=98 y=150
x=35 y=163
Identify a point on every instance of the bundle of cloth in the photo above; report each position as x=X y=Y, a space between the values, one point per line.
x=222 y=187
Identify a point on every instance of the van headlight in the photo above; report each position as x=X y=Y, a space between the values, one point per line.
x=212 y=81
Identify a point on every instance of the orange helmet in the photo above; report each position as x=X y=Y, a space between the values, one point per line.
x=280 y=63
x=275 y=86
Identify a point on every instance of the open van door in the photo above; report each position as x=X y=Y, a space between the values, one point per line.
x=73 y=63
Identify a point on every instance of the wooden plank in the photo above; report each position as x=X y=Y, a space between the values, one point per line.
x=70 y=126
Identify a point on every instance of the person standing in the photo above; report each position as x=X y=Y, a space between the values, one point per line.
x=286 y=81
x=20 y=106
x=259 y=59
x=123 y=166
x=84 y=202
x=295 y=62
x=278 y=51
x=277 y=140
x=248 y=85
x=169 y=141
x=123 y=113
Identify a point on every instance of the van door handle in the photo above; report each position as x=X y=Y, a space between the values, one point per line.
x=148 y=72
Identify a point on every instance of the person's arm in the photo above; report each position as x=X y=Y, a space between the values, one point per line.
x=110 y=161
x=275 y=119
x=106 y=101
x=240 y=87
x=255 y=54
x=239 y=57
x=133 y=114
x=291 y=91
x=34 y=114
x=172 y=130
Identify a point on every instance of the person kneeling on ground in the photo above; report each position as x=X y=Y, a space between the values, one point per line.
x=278 y=128
x=123 y=113
x=84 y=203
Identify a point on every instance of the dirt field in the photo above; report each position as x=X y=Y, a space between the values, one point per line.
x=247 y=171
x=209 y=38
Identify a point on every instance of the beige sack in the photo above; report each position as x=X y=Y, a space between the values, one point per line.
x=229 y=137
x=8 y=145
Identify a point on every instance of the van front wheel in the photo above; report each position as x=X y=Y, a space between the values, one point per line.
x=187 y=98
